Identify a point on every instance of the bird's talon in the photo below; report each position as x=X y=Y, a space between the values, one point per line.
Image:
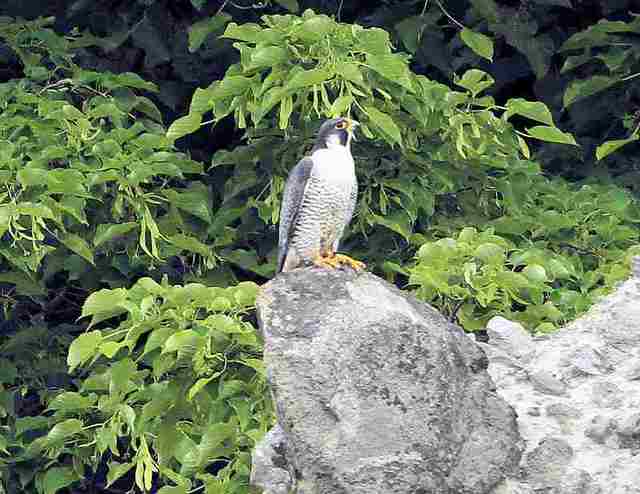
x=326 y=262
x=337 y=261
x=352 y=263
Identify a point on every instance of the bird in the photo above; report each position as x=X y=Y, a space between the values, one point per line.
x=319 y=199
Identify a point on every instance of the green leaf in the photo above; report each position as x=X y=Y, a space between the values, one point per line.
x=246 y=32
x=524 y=148
x=62 y=431
x=181 y=339
x=107 y=232
x=83 y=348
x=31 y=423
x=268 y=56
x=551 y=134
x=190 y=244
x=480 y=44
x=247 y=259
x=30 y=177
x=534 y=110
x=245 y=293
x=340 y=106
x=32 y=209
x=71 y=401
x=489 y=252
x=181 y=489
x=128 y=79
x=475 y=81
x=104 y=304
x=535 y=273
x=374 y=41
x=72 y=113
x=78 y=245
x=385 y=123
x=57 y=478
x=351 y=72
x=314 y=28
x=117 y=470
x=195 y=201
x=410 y=31
x=228 y=87
x=307 y=78
x=286 y=108
x=199 y=31
x=199 y=385
x=391 y=67
x=608 y=147
x=183 y=126
x=8 y=372
x=110 y=348
x=582 y=88
x=25 y=284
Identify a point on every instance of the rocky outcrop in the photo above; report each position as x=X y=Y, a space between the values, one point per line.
x=375 y=392
x=577 y=395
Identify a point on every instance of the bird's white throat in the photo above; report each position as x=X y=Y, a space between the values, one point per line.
x=334 y=163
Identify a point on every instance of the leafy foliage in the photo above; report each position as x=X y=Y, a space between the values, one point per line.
x=611 y=45
x=113 y=375
x=176 y=386
x=543 y=263
x=87 y=172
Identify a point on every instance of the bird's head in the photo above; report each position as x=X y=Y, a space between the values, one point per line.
x=336 y=132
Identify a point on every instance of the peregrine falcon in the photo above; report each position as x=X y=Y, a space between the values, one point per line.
x=319 y=199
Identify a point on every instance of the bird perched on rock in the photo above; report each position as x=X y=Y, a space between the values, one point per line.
x=319 y=199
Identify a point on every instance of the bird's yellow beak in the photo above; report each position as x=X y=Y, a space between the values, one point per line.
x=351 y=127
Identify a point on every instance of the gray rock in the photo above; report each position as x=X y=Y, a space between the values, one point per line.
x=588 y=360
x=377 y=392
x=601 y=429
x=534 y=411
x=270 y=467
x=578 y=482
x=635 y=267
x=606 y=395
x=633 y=373
x=629 y=431
x=547 y=463
x=562 y=410
x=585 y=378
x=545 y=382
x=510 y=337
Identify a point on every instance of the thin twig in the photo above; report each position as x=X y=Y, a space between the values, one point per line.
x=224 y=4
x=449 y=15
x=424 y=7
x=629 y=77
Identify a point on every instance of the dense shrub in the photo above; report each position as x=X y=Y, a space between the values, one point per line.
x=102 y=217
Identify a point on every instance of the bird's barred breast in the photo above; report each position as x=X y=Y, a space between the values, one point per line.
x=326 y=199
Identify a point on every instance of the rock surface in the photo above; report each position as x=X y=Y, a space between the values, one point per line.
x=577 y=396
x=376 y=392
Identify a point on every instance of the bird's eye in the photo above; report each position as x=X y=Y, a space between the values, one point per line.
x=341 y=125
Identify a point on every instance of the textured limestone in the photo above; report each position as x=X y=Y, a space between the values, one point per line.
x=375 y=392
x=583 y=384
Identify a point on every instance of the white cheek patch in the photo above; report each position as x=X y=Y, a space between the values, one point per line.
x=333 y=140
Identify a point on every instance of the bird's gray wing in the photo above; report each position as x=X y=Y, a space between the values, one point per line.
x=291 y=203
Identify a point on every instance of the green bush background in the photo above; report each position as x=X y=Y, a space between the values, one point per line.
x=144 y=150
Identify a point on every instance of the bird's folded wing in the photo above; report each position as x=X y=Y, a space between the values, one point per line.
x=291 y=203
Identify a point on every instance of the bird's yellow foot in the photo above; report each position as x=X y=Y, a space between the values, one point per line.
x=336 y=261
x=352 y=263
x=325 y=262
